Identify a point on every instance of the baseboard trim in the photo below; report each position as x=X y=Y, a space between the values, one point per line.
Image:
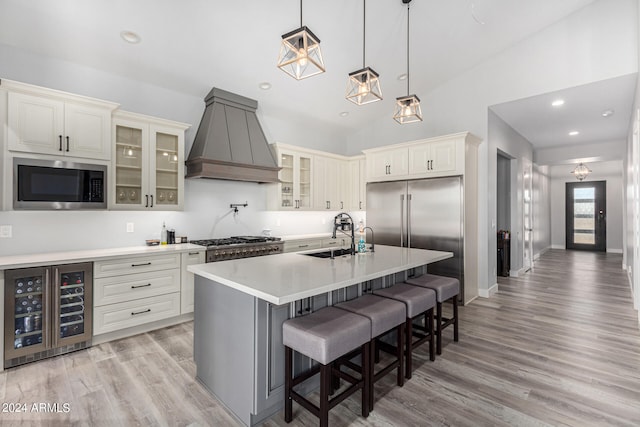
x=614 y=251
x=518 y=273
x=542 y=252
x=487 y=293
x=558 y=247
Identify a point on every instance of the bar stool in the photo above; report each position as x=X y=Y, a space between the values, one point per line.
x=446 y=288
x=324 y=336
x=385 y=316
x=419 y=302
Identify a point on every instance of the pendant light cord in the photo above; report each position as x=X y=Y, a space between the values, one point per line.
x=408 y=5
x=364 y=31
x=300 y=13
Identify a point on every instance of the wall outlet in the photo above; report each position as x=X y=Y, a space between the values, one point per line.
x=129 y=227
x=6 y=232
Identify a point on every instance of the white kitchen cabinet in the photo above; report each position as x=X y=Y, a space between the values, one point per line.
x=187 y=280
x=330 y=183
x=304 y=244
x=43 y=121
x=133 y=291
x=388 y=163
x=426 y=158
x=357 y=200
x=148 y=163
x=295 y=189
x=433 y=157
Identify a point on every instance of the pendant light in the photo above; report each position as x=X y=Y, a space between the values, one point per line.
x=581 y=171
x=363 y=86
x=300 y=54
x=407 y=107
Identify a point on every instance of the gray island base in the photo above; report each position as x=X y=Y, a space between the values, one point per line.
x=240 y=306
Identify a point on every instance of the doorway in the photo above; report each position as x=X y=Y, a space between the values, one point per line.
x=586 y=219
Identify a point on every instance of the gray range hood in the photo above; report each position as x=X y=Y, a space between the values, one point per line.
x=230 y=143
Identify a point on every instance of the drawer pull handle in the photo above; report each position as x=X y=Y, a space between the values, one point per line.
x=140 y=286
x=194 y=253
x=303 y=246
x=140 y=312
x=140 y=265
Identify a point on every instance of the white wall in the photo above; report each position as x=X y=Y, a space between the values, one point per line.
x=560 y=175
x=598 y=42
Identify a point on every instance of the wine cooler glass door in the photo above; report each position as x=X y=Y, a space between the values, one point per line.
x=72 y=303
x=26 y=311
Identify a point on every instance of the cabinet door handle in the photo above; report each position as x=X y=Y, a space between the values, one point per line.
x=60 y=138
x=140 y=265
x=341 y=205
x=151 y=201
x=140 y=286
x=328 y=204
x=146 y=204
x=133 y=313
x=67 y=144
x=360 y=205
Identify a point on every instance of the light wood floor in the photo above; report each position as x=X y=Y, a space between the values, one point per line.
x=558 y=346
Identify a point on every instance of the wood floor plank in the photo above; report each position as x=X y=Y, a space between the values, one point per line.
x=557 y=346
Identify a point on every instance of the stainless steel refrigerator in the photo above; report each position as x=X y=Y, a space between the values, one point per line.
x=425 y=214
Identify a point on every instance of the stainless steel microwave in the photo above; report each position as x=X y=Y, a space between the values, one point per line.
x=58 y=184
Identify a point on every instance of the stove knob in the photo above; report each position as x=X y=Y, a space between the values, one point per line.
x=216 y=253
x=251 y=250
x=223 y=253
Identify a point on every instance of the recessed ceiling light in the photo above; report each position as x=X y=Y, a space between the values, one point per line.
x=130 y=37
x=344 y=114
x=558 y=102
x=574 y=133
x=608 y=113
x=265 y=85
x=402 y=76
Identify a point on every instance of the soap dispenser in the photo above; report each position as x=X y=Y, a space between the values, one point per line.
x=361 y=243
x=163 y=234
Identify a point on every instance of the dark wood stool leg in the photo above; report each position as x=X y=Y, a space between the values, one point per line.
x=335 y=379
x=288 y=404
x=366 y=362
x=325 y=385
x=409 y=347
x=429 y=325
x=371 y=372
x=399 y=354
x=455 y=318
x=376 y=350
x=439 y=327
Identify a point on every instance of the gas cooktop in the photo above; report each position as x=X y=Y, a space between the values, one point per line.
x=235 y=240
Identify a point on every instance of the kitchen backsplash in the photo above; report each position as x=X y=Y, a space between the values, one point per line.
x=206 y=214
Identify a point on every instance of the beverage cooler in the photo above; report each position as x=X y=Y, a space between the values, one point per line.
x=47 y=311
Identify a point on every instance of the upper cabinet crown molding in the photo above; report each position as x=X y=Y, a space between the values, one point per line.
x=47 y=121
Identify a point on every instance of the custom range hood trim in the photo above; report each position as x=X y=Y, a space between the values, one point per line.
x=230 y=143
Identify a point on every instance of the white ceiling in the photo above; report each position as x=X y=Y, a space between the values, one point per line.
x=194 y=45
x=545 y=125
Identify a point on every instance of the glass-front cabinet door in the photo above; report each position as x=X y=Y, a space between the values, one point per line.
x=130 y=165
x=167 y=167
x=295 y=180
x=26 y=311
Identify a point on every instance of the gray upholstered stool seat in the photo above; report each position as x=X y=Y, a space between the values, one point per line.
x=419 y=302
x=324 y=336
x=446 y=288
x=385 y=315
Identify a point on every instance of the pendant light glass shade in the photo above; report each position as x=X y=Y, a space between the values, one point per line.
x=581 y=171
x=364 y=87
x=300 y=54
x=407 y=109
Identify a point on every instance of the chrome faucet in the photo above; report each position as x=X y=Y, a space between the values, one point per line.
x=372 y=238
x=337 y=222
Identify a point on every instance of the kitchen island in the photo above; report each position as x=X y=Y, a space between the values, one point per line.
x=240 y=306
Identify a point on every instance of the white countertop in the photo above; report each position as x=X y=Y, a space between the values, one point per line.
x=283 y=278
x=49 y=258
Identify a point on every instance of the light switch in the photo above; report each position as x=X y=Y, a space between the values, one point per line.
x=129 y=227
x=6 y=232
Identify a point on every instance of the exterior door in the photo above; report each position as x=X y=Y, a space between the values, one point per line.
x=586 y=219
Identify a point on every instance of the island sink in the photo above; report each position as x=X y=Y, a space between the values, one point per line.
x=327 y=254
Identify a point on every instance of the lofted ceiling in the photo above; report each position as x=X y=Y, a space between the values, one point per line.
x=193 y=45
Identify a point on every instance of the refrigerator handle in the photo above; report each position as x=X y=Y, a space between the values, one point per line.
x=47 y=318
x=408 y=220
x=402 y=220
